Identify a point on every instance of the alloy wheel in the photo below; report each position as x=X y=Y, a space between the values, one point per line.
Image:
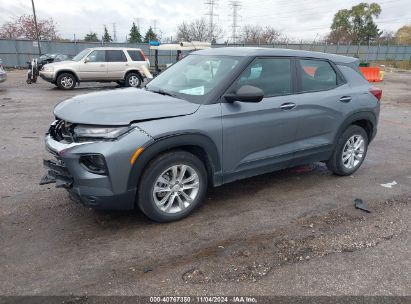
x=134 y=81
x=176 y=188
x=66 y=82
x=353 y=151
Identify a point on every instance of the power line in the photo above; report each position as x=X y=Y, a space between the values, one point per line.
x=211 y=14
x=235 y=5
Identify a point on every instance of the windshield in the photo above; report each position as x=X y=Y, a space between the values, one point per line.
x=194 y=77
x=80 y=55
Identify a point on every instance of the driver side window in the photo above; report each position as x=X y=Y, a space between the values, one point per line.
x=272 y=75
x=97 y=56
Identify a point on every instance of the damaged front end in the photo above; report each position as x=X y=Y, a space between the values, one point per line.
x=58 y=139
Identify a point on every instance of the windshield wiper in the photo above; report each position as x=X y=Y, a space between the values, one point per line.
x=162 y=92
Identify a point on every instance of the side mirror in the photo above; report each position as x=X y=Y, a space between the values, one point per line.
x=86 y=60
x=246 y=93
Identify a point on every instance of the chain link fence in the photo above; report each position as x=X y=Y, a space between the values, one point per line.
x=16 y=53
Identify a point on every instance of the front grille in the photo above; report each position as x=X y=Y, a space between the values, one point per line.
x=62 y=131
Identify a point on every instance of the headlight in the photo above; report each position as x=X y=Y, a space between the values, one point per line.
x=100 y=132
x=48 y=68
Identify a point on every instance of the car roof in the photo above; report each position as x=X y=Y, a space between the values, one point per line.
x=115 y=48
x=261 y=51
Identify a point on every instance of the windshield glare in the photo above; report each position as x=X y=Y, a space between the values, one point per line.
x=194 y=76
x=80 y=55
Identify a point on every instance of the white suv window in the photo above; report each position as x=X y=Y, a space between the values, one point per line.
x=116 y=56
x=97 y=56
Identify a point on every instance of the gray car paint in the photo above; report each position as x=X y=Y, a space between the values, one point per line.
x=121 y=107
x=250 y=138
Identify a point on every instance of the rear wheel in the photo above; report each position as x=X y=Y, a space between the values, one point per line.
x=172 y=186
x=133 y=80
x=66 y=81
x=349 y=152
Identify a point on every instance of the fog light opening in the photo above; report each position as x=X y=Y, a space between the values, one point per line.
x=94 y=163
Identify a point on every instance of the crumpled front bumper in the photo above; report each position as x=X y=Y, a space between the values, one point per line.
x=92 y=190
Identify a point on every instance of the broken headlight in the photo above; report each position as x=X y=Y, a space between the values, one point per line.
x=84 y=131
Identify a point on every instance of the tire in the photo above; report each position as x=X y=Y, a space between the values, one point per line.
x=66 y=81
x=353 y=146
x=133 y=80
x=155 y=204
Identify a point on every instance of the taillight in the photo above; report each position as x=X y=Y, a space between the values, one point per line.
x=377 y=92
x=143 y=55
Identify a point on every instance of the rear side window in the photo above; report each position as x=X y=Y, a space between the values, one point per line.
x=317 y=75
x=272 y=75
x=135 y=55
x=116 y=56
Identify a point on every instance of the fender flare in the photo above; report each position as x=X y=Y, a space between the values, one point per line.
x=166 y=143
x=363 y=115
x=67 y=71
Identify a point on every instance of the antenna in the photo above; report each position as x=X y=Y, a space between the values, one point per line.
x=235 y=5
x=211 y=4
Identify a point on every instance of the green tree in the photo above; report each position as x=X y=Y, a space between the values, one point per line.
x=357 y=24
x=403 y=35
x=135 y=35
x=150 y=36
x=91 y=37
x=106 y=36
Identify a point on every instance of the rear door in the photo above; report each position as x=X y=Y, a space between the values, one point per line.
x=259 y=137
x=117 y=64
x=322 y=92
x=94 y=66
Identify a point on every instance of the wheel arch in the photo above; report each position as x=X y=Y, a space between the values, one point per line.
x=134 y=70
x=67 y=71
x=199 y=145
x=365 y=119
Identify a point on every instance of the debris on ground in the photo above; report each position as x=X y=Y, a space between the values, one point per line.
x=389 y=185
x=359 y=204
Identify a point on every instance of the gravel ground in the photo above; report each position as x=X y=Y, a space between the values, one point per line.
x=293 y=232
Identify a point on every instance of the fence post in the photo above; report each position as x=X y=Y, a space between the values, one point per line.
x=17 y=53
x=338 y=46
x=348 y=48
x=325 y=48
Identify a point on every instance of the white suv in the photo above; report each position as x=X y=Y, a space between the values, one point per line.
x=126 y=66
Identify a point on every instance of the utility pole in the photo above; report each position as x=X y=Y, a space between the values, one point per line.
x=137 y=21
x=211 y=14
x=35 y=24
x=114 y=32
x=155 y=26
x=235 y=5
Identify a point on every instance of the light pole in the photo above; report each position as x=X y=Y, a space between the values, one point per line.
x=37 y=29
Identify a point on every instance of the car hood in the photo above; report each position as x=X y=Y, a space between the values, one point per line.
x=122 y=107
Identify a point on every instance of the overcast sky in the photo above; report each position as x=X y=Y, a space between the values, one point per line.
x=298 y=19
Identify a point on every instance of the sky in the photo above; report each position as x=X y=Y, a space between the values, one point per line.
x=297 y=19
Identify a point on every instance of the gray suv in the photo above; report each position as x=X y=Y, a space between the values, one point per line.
x=216 y=116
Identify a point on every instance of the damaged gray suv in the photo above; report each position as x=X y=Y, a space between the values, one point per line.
x=216 y=116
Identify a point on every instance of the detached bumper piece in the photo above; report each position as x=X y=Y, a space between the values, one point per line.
x=56 y=173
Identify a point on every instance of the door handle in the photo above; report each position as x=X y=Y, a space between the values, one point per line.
x=288 y=106
x=345 y=99
x=102 y=65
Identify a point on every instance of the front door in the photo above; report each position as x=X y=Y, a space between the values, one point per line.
x=259 y=137
x=94 y=66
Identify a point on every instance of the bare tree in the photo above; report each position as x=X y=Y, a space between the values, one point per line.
x=24 y=27
x=256 y=34
x=198 y=30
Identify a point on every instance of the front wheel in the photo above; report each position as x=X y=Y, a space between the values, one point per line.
x=350 y=151
x=66 y=81
x=172 y=186
x=133 y=80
